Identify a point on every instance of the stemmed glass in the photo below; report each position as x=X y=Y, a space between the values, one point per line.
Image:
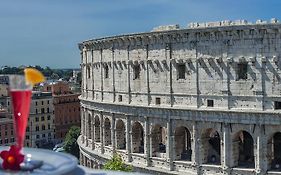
x=20 y=93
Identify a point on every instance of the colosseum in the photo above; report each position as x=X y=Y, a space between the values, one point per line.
x=205 y=99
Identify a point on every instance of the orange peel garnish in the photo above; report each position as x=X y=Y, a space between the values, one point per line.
x=33 y=76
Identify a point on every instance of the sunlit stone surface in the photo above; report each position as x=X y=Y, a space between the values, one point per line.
x=200 y=100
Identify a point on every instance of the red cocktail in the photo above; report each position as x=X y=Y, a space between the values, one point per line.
x=21 y=105
x=20 y=94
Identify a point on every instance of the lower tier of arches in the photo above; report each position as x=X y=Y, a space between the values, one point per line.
x=175 y=145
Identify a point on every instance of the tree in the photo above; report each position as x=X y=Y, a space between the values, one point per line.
x=70 y=141
x=117 y=164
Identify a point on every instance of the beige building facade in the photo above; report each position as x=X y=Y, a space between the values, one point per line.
x=200 y=100
x=40 y=130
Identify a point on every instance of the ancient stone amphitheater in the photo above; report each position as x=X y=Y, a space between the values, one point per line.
x=205 y=99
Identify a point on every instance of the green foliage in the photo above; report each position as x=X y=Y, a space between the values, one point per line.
x=47 y=71
x=70 y=141
x=116 y=164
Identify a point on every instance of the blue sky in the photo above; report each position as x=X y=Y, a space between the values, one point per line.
x=46 y=32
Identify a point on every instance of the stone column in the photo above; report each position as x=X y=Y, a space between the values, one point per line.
x=195 y=147
x=92 y=76
x=226 y=149
x=170 y=144
x=93 y=131
x=102 y=133
x=113 y=131
x=261 y=151
x=86 y=127
x=128 y=138
x=82 y=125
x=147 y=142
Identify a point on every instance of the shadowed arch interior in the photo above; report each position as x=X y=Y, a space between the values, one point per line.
x=159 y=139
x=120 y=135
x=243 y=150
x=211 y=147
x=107 y=132
x=182 y=144
x=97 y=129
x=137 y=138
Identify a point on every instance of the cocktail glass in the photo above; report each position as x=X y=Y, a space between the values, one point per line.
x=20 y=93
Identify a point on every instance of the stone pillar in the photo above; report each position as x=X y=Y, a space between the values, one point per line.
x=113 y=131
x=170 y=144
x=128 y=138
x=147 y=143
x=92 y=76
x=226 y=153
x=93 y=131
x=102 y=133
x=82 y=125
x=261 y=151
x=86 y=127
x=195 y=145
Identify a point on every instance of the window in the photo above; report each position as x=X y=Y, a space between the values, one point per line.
x=106 y=71
x=12 y=132
x=37 y=136
x=49 y=135
x=37 y=128
x=181 y=71
x=36 y=103
x=89 y=72
x=42 y=102
x=49 y=127
x=242 y=69
x=119 y=98
x=49 y=117
x=6 y=140
x=48 y=102
x=6 y=133
x=43 y=135
x=157 y=101
x=277 y=105
x=136 y=69
x=27 y=129
x=42 y=110
x=42 y=118
x=37 y=119
x=210 y=103
x=12 y=139
x=27 y=137
x=43 y=127
x=36 y=111
x=1 y=142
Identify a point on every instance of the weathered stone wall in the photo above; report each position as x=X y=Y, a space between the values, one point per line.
x=214 y=88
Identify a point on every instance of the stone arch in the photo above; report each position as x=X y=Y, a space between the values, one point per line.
x=182 y=144
x=274 y=150
x=120 y=135
x=243 y=150
x=97 y=129
x=159 y=140
x=107 y=132
x=137 y=138
x=211 y=152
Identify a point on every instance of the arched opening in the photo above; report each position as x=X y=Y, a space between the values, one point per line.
x=275 y=151
x=137 y=138
x=89 y=124
x=107 y=132
x=97 y=129
x=120 y=135
x=243 y=150
x=182 y=144
x=159 y=139
x=211 y=147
